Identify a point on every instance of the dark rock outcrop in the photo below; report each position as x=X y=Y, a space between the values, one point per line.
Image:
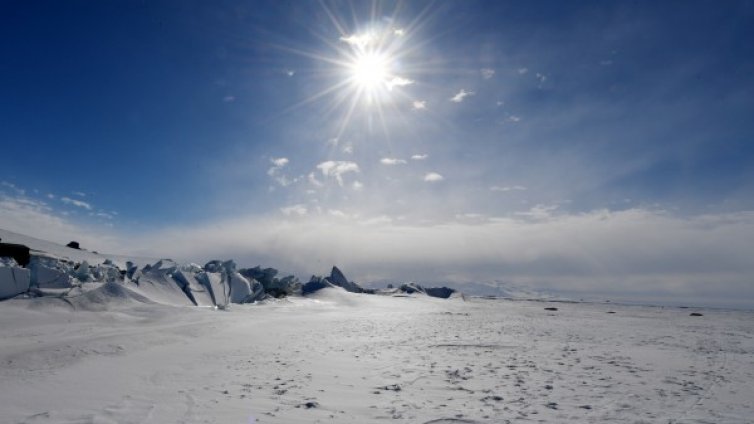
x=74 y=245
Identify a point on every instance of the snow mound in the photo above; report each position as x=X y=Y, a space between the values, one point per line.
x=107 y=296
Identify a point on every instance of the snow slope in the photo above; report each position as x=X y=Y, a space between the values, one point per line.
x=75 y=255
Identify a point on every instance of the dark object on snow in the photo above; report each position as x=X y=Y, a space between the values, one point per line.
x=390 y=286
x=551 y=309
x=696 y=314
x=73 y=245
x=315 y=284
x=19 y=252
x=610 y=312
x=441 y=292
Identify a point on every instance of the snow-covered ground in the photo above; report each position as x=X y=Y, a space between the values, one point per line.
x=137 y=351
x=353 y=358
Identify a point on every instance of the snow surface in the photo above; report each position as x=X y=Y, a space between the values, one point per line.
x=114 y=351
x=112 y=356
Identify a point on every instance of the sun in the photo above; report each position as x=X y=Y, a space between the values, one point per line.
x=370 y=71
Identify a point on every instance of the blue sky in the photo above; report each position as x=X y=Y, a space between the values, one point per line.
x=598 y=148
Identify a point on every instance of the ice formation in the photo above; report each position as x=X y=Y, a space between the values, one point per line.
x=71 y=273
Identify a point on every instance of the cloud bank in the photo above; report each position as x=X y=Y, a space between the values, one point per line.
x=636 y=254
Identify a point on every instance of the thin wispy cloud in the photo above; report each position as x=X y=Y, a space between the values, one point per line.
x=522 y=71
x=487 y=73
x=419 y=157
x=75 y=202
x=104 y=215
x=392 y=161
x=13 y=187
x=461 y=95
x=79 y=193
x=433 y=177
x=419 y=104
x=539 y=212
x=360 y=41
x=357 y=185
x=508 y=188
x=294 y=210
x=229 y=99
x=314 y=181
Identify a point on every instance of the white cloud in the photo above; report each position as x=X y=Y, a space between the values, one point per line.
x=347 y=148
x=229 y=99
x=399 y=82
x=280 y=162
x=392 y=161
x=50 y=196
x=508 y=188
x=433 y=177
x=419 y=104
x=290 y=72
x=462 y=94
x=419 y=157
x=294 y=210
x=487 y=73
x=314 y=181
x=79 y=193
x=275 y=172
x=399 y=32
x=522 y=71
x=336 y=169
x=357 y=185
x=541 y=77
x=77 y=203
x=514 y=118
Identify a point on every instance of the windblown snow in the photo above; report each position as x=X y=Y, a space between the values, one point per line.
x=90 y=338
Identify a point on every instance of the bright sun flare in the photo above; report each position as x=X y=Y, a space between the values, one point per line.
x=370 y=71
